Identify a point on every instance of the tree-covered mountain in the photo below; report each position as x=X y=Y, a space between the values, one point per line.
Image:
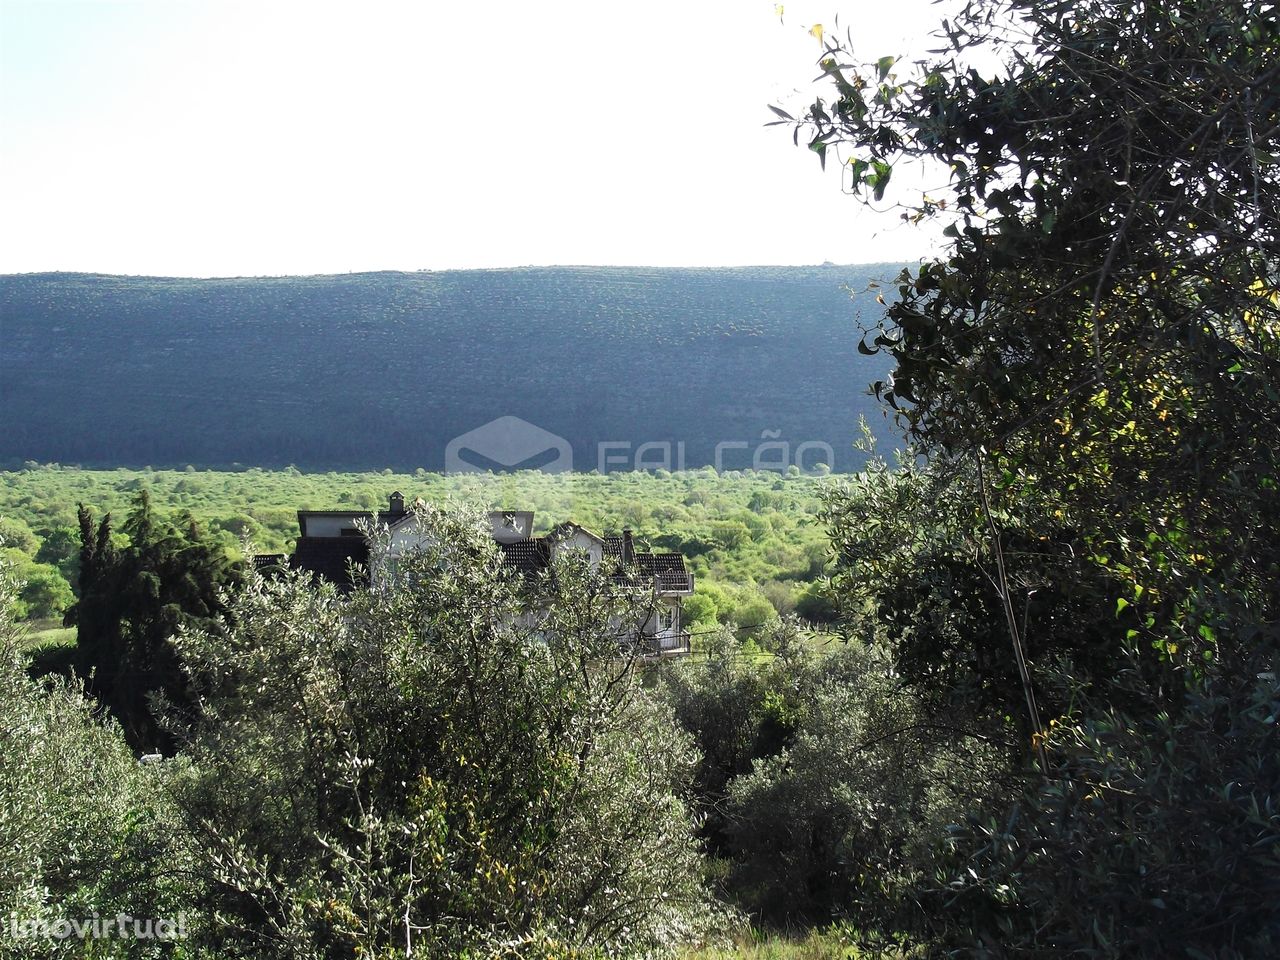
x=384 y=369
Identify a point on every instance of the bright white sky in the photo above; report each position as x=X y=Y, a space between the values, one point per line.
x=174 y=137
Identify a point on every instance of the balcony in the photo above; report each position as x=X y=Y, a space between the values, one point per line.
x=671 y=644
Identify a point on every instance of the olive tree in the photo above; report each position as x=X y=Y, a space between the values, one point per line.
x=1103 y=329
x=456 y=758
x=85 y=831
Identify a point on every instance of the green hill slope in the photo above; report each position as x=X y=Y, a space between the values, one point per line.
x=383 y=369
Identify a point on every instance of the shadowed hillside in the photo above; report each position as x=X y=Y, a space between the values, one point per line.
x=383 y=369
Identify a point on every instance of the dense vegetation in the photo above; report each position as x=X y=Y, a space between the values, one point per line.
x=751 y=538
x=85 y=829
x=383 y=370
x=412 y=767
x=1089 y=378
x=135 y=593
x=1048 y=727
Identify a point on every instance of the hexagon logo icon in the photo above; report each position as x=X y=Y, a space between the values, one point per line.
x=506 y=444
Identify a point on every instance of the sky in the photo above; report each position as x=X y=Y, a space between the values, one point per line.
x=227 y=138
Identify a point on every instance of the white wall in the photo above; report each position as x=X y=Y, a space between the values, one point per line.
x=511 y=525
x=580 y=540
x=670 y=606
x=333 y=526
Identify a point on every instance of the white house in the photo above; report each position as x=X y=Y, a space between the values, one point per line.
x=330 y=542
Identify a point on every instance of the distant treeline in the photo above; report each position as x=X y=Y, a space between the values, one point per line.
x=384 y=369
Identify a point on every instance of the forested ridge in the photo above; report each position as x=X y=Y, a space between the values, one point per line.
x=384 y=369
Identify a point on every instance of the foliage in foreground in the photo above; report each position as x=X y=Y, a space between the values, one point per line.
x=84 y=829
x=1154 y=829
x=422 y=767
x=827 y=781
x=1102 y=338
x=1156 y=835
x=416 y=768
x=1090 y=370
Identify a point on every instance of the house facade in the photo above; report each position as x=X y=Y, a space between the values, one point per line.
x=330 y=542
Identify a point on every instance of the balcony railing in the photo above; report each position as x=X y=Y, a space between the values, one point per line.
x=672 y=644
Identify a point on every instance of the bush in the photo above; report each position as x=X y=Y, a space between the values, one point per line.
x=912 y=568
x=60 y=547
x=45 y=594
x=749 y=609
x=422 y=766
x=17 y=535
x=1157 y=835
x=815 y=604
x=699 y=610
x=1158 y=810
x=824 y=781
x=842 y=820
x=723 y=699
x=84 y=829
x=780 y=596
x=42 y=594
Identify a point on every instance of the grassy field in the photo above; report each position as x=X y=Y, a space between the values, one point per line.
x=813 y=947
x=41 y=634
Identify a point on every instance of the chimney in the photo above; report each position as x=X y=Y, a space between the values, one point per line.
x=397 y=504
x=628 y=547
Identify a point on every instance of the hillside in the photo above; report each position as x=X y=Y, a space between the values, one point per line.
x=384 y=369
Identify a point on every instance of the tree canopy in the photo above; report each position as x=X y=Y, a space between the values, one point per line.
x=1089 y=372
x=1104 y=327
x=136 y=592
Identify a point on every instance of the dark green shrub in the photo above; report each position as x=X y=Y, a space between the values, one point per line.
x=134 y=596
x=1157 y=835
x=841 y=821
x=726 y=701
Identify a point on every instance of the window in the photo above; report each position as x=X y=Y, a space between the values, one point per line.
x=666 y=618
